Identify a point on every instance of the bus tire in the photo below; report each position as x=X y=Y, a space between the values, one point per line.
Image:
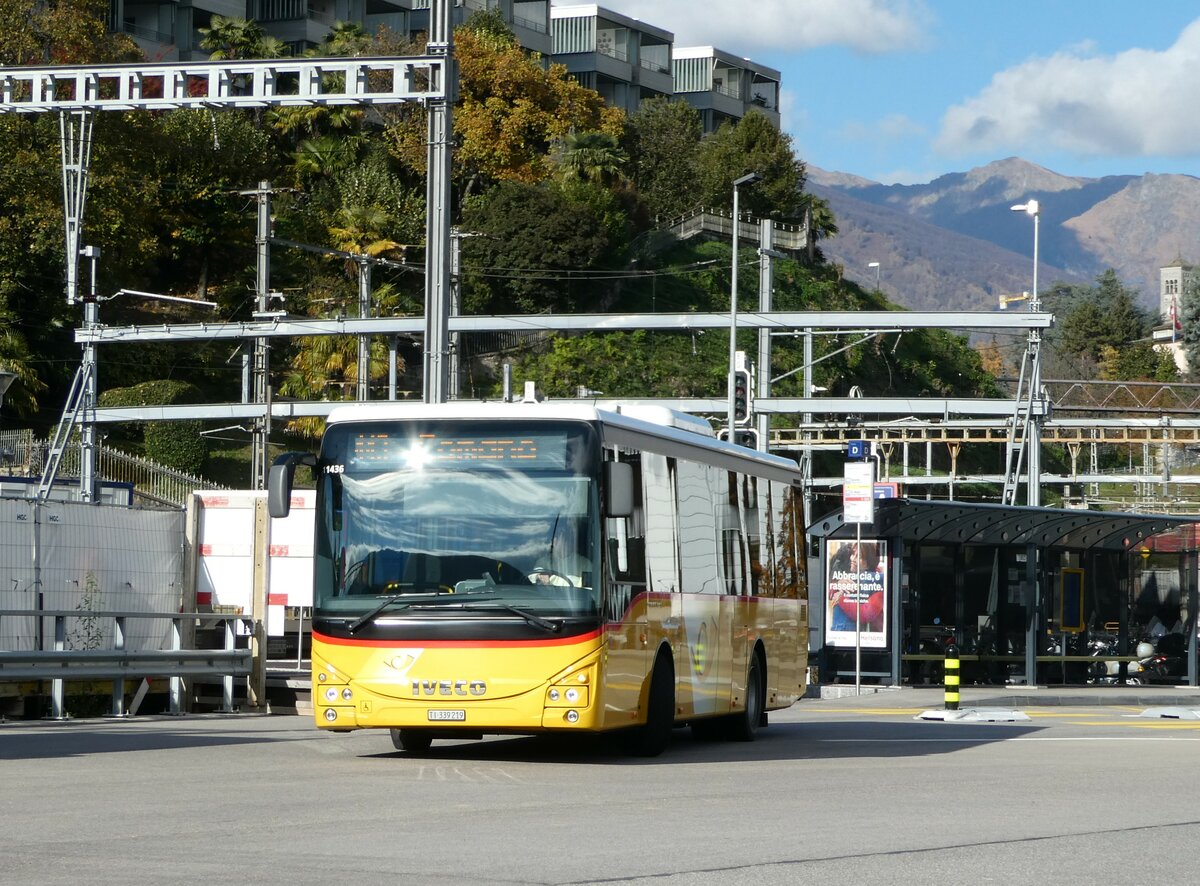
x=743 y=726
x=652 y=739
x=412 y=741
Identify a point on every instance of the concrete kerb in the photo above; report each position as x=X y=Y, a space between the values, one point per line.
x=974 y=715
x=985 y=703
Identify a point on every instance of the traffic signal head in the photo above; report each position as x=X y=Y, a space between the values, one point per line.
x=741 y=396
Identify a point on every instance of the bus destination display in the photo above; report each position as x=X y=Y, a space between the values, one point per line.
x=381 y=450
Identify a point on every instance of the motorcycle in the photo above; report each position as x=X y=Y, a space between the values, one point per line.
x=1166 y=661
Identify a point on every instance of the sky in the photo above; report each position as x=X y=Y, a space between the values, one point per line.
x=902 y=91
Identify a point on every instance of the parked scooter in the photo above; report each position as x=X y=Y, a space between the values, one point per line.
x=1107 y=670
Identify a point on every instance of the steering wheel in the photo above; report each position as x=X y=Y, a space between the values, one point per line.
x=542 y=570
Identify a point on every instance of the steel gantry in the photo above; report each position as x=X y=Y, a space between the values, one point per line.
x=78 y=92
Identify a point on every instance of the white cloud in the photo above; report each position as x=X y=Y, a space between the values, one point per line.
x=1135 y=103
x=869 y=26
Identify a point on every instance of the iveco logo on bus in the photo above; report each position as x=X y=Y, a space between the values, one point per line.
x=449 y=687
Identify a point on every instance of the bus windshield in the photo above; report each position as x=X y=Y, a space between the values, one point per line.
x=442 y=517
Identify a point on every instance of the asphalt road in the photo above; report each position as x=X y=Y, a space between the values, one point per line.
x=837 y=791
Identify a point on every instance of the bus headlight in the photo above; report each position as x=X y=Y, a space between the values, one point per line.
x=331 y=694
x=347 y=694
x=572 y=716
x=567 y=696
x=330 y=714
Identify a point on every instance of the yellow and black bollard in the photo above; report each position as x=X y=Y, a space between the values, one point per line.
x=952 y=663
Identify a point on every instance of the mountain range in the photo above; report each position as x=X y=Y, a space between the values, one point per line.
x=953 y=243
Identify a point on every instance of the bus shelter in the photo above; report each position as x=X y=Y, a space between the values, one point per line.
x=1028 y=595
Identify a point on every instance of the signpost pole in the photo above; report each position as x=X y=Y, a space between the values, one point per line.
x=858 y=609
x=858 y=507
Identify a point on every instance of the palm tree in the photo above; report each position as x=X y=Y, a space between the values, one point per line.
x=344 y=39
x=228 y=39
x=590 y=157
x=16 y=358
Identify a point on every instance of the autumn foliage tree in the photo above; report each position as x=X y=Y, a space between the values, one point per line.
x=510 y=111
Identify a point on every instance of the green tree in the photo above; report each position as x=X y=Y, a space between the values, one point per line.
x=35 y=340
x=69 y=32
x=622 y=364
x=753 y=144
x=1138 y=361
x=177 y=444
x=535 y=248
x=664 y=145
x=1103 y=315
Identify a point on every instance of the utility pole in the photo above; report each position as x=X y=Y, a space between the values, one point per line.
x=261 y=361
x=456 y=238
x=87 y=429
x=437 y=209
x=766 y=286
x=364 y=341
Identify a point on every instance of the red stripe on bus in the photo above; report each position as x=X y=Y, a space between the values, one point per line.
x=458 y=644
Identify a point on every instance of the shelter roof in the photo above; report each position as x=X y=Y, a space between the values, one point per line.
x=955 y=522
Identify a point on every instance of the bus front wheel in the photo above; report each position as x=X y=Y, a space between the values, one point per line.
x=652 y=739
x=413 y=741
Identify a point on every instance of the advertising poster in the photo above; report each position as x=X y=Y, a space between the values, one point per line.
x=856 y=582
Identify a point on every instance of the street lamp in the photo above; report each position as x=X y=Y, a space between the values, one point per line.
x=1032 y=208
x=746 y=179
x=1034 y=488
x=875 y=265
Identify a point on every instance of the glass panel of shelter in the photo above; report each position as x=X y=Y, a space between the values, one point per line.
x=976 y=597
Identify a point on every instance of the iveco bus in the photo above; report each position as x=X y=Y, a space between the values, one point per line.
x=533 y=568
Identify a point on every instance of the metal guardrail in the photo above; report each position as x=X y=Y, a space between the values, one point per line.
x=119 y=664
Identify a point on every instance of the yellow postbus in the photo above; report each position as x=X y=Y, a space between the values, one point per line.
x=486 y=568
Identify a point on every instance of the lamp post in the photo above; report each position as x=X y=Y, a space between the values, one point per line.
x=746 y=179
x=1034 y=488
x=1032 y=208
x=875 y=265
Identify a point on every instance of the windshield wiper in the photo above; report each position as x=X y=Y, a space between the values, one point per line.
x=355 y=625
x=537 y=621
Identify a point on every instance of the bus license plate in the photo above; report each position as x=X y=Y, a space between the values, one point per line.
x=448 y=715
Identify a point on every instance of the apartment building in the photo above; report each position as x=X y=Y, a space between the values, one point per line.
x=623 y=59
x=529 y=19
x=724 y=87
x=169 y=30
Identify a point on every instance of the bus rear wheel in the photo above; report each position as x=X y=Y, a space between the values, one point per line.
x=412 y=741
x=743 y=726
